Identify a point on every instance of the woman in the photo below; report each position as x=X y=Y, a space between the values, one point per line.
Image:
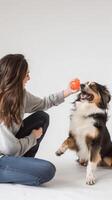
x=20 y=139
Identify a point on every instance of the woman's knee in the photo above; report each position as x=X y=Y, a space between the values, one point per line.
x=51 y=170
x=47 y=172
x=44 y=120
x=44 y=116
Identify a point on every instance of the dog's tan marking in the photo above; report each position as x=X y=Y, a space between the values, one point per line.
x=90 y=136
x=69 y=143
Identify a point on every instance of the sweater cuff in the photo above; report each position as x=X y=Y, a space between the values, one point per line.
x=61 y=98
x=33 y=139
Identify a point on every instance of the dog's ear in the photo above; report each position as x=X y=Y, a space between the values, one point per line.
x=105 y=96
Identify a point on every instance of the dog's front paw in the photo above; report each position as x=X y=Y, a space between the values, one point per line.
x=59 y=152
x=90 y=179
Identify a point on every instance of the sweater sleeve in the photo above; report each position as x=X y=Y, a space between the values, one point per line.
x=10 y=145
x=33 y=103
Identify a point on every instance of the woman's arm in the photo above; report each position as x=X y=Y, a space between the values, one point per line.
x=69 y=91
x=10 y=145
x=33 y=103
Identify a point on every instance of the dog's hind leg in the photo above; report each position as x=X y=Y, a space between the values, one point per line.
x=107 y=156
x=107 y=161
x=69 y=143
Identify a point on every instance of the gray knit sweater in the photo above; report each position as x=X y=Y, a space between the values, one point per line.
x=9 y=144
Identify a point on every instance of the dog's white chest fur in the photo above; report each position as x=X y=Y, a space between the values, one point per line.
x=82 y=126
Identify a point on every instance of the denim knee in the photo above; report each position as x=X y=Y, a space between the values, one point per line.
x=52 y=170
x=49 y=172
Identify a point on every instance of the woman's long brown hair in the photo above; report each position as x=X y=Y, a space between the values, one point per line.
x=13 y=69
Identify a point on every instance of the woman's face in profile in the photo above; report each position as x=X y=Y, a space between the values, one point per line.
x=26 y=79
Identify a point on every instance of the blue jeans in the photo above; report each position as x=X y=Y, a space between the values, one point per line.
x=28 y=170
x=25 y=170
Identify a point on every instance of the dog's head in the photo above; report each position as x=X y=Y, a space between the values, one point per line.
x=95 y=93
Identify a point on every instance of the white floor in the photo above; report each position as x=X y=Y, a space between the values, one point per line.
x=68 y=184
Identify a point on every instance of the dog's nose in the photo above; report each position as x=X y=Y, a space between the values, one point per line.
x=82 y=86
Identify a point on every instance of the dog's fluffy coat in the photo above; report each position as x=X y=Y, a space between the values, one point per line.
x=88 y=134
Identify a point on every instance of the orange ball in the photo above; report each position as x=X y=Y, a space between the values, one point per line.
x=75 y=84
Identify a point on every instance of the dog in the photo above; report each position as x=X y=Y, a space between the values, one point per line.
x=88 y=134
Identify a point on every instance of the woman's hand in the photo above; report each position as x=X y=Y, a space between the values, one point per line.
x=69 y=90
x=37 y=133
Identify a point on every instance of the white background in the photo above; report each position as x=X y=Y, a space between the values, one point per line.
x=61 y=39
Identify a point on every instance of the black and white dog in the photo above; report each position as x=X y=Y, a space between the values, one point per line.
x=88 y=134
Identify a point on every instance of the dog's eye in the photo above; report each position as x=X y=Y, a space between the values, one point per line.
x=90 y=83
x=94 y=88
x=87 y=83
